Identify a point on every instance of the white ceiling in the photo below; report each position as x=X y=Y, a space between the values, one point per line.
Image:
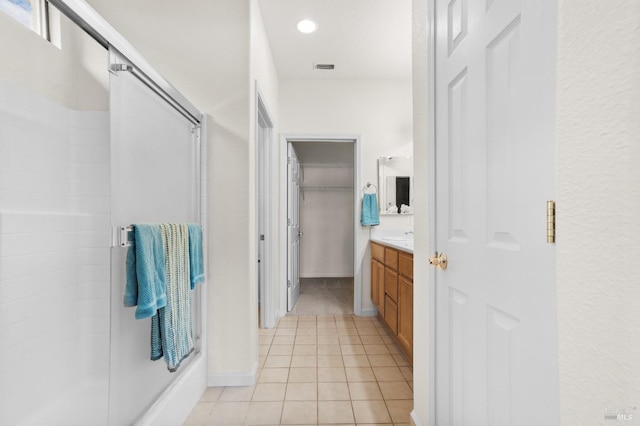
x=365 y=39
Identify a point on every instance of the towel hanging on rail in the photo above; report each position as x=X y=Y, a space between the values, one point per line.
x=369 y=215
x=145 y=285
x=171 y=254
x=171 y=328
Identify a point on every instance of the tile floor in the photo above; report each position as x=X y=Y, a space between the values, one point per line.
x=318 y=370
x=325 y=296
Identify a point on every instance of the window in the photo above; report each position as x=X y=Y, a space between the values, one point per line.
x=33 y=14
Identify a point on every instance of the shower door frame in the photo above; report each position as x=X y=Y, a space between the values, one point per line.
x=83 y=15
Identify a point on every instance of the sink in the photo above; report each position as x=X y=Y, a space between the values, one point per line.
x=397 y=238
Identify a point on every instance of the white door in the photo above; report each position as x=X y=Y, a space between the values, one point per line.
x=263 y=194
x=496 y=351
x=293 y=222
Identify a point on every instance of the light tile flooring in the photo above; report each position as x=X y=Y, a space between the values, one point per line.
x=325 y=296
x=318 y=370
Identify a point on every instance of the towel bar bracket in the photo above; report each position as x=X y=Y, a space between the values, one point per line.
x=121 y=236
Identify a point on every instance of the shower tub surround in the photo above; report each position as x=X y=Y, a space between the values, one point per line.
x=54 y=261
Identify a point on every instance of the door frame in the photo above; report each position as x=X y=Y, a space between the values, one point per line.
x=431 y=199
x=266 y=207
x=357 y=263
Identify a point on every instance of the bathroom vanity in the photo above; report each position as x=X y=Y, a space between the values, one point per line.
x=392 y=289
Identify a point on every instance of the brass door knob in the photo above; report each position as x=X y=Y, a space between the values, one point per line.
x=439 y=260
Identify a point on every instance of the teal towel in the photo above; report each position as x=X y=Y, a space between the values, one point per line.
x=370 y=215
x=171 y=336
x=145 y=286
x=196 y=265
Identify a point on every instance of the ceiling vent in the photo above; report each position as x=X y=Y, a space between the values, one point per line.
x=324 y=66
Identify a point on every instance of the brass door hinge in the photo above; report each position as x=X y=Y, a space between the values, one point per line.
x=551 y=221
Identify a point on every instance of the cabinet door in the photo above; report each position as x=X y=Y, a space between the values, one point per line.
x=377 y=285
x=391 y=314
x=391 y=283
x=405 y=315
x=374 y=283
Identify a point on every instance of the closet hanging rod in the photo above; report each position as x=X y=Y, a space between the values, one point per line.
x=326 y=188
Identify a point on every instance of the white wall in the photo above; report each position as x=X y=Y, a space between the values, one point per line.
x=73 y=76
x=263 y=77
x=326 y=220
x=379 y=111
x=54 y=256
x=598 y=229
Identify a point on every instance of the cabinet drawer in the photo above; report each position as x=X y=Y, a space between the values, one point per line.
x=405 y=262
x=391 y=283
x=391 y=258
x=377 y=252
x=391 y=314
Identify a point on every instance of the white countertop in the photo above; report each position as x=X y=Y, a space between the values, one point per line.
x=398 y=239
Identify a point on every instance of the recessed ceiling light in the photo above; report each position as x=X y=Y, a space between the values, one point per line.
x=307 y=26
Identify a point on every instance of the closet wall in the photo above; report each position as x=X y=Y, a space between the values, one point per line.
x=326 y=219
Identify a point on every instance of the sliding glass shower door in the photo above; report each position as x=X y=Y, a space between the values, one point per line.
x=154 y=179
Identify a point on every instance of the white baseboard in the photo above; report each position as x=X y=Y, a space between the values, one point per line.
x=240 y=378
x=414 y=419
x=327 y=275
x=175 y=404
x=369 y=312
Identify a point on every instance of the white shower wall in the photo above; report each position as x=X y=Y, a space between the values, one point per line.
x=54 y=254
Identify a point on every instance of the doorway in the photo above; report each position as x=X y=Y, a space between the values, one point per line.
x=321 y=207
x=264 y=217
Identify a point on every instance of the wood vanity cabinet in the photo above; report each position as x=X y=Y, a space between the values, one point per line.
x=377 y=276
x=405 y=304
x=392 y=292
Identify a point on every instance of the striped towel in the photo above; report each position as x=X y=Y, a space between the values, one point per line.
x=171 y=334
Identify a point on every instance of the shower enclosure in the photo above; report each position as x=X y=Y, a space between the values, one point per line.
x=87 y=145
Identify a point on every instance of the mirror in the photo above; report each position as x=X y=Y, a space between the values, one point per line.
x=395 y=185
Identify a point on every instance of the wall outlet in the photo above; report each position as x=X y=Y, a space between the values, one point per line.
x=410 y=220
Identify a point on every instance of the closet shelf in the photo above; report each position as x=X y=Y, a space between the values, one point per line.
x=325 y=188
